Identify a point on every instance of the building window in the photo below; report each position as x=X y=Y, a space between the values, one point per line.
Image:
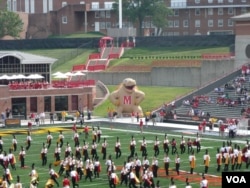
x=64 y=4
x=97 y=14
x=243 y=1
x=82 y=2
x=197 y=12
x=230 y=1
x=220 y=1
x=243 y=10
x=108 y=24
x=61 y=103
x=230 y=22
x=108 y=14
x=185 y=23
x=197 y=1
x=210 y=11
x=197 y=23
x=230 y=11
x=108 y=5
x=102 y=25
x=102 y=14
x=64 y=20
x=176 y=23
x=220 y=11
x=210 y=1
x=170 y=23
x=95 y=5
x=176 y=12
x=210 y=23
x=47 y=104
x=220 y=23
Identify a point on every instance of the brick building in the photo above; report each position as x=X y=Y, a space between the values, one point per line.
x=35 y=95
x=190 y=17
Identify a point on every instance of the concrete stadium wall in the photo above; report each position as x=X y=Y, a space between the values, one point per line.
x=212 y=70
x=170 y=76
x=241 y=42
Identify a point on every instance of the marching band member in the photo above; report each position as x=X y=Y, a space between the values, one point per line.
x=1 y=144
x=93 y=150
x=166 y=144
x=18 y=183
x=198 y=143
x=33 y=174
x=76 y=138
x=239 y=159
x=104 y=149
x=132 y=147
x=44 y=152
x=14 y=143
x=182 y=145
x=53 y=175
x=166 y=161
x=66 y=182
x=85 y=150
x=204 y=182
x=177 y=164
x=192 y=162
x=137 y=167
x=124 y=174
x=57 y=152
x=97 y=167
x=78 y=151
x=189 y=145
x=99 y=134
x=94 y=134
x=132 y=180
x=22 y=154
x=89 y=169
x=68 y=150
x=206 y=159
x=74 y=177
x=60 y=139
x=108 y=162
x=5 y=160
x=156 y=146
x=144 y=147
x=118 y=148
x=8 y=175
x=218 y=159
x=151 y=178
x=49 y=139
x=145 y=179
x=174 y=148
x=113 y=179
x=12 y=159
x=28 y=141
x=226 y=156
x=145 y=163
x=155 y=166
x=86 y=131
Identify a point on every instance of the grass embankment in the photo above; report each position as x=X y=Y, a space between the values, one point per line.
x=155 y=96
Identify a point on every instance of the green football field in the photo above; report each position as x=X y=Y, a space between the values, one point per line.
x=111 y=133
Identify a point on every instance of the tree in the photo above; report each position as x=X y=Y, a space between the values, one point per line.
x=11 y=24
x=136 y=11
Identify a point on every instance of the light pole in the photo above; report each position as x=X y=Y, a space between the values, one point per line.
x=120 y=14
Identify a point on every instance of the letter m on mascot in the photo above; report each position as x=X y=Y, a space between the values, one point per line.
x=127 y=100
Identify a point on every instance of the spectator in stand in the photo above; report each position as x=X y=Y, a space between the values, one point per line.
x=222 y=128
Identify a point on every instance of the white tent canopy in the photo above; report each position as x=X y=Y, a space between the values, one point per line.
x=35 y=76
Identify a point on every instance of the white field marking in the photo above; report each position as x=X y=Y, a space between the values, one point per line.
x=147 y=141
